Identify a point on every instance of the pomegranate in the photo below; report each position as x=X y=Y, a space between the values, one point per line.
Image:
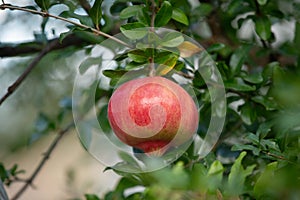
x=152 y=114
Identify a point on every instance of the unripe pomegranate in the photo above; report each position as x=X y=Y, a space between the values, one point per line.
x=152 y=114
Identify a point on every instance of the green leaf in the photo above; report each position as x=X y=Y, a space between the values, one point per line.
x=167 y=65
x=96 y=12
x=265 y=179
x=179 y=66
x=153 y=39
x=262 y=2
x=237 y=7
x=3 y=172
x=198 y=80
x=138 y=56
x=103 y=120
x=180 y=178
x=263 y=27
x=91 y=197
x=238 y=58
x=134 y=30
x=224 y=69
x=128 y=158
x=237 y=84
x=122 y=168
x=43 y=4
x=163 y=56
x=120 y=57
x=237 y=176
x=144 y=17
x=198 y=175
x=84 y=19
x=243 y=147
x=271 y=146
x=264 y=128
x=86 y=64
x=130 y=11
x=215 y=47
x=248 y=113
x=172 y=39
x=188 y=49
x=63 y=35
x=215 y=175
x=110 y=73
x=253 y=78
x=117 y=7
x=13 y=171
x=133 y=65
x=268 y=102
x=163 y=15
x=124 y=184
x=253 y=138
x=179 y=16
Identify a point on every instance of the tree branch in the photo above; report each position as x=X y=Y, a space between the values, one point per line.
x=11 y=89
x=43 y=161
x=46 y=14
x=11 y=50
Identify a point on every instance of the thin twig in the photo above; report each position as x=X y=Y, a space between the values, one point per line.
x=152 y=71
x=153 y=14
x=46 y=14
x=185 y=75
x=46 y=156
x=11 y=89
x=278 y=157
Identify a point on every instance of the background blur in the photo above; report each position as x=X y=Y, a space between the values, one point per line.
x=71 y=172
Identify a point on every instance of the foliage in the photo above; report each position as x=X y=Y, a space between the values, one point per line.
x=258 y=154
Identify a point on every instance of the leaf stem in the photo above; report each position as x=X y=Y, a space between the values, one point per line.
x=46 y=14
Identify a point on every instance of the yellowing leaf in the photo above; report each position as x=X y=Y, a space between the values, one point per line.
x=187 y=49
x=167 y=66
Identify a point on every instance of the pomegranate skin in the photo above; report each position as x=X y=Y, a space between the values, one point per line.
x=152 y=114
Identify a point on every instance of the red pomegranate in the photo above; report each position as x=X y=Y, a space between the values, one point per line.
x=152 y=114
